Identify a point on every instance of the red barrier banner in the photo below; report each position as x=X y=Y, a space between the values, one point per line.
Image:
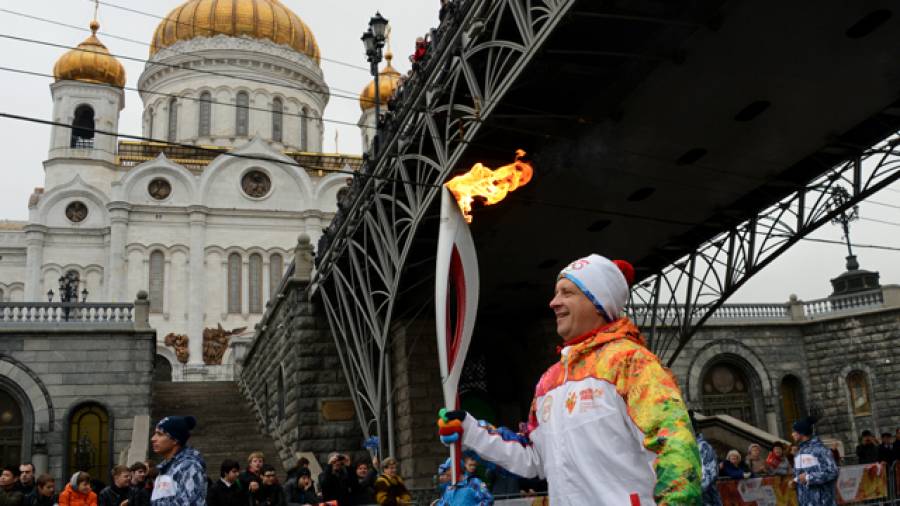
x=861 y=483
x=767 y=491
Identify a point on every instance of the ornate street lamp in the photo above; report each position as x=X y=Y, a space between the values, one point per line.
x=373 y=41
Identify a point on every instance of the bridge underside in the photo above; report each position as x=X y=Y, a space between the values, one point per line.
x=697 y=139
x=656 y=125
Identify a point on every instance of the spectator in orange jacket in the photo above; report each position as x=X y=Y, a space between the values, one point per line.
x=78 y=491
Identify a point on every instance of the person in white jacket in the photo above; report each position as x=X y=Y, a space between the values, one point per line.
x=607 y=426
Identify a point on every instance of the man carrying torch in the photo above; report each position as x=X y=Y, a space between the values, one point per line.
x=608 y=426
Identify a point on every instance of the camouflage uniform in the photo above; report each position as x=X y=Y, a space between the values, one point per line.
x=710 y=473
x=181 y=480
x=821 y=474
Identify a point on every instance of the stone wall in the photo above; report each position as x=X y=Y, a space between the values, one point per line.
x=865 y=342
x=417 y=398
x=294 y=341
x=52 y=369
x=766 y=352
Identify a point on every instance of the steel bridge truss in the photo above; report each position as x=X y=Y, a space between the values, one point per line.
x=475 y=62
x=671 y=305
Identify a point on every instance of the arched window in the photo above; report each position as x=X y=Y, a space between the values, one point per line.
x=172 y=133
x=11 y=426
x=255 y=275
x=792 y=402
x=89 y=448
x=162 y=369
x=860 y=400
x=277 y=119
x=205 y=114
x=726 y=391
x=304 y=129
x=150 y=122
x=83 y=128
x=234 y=283
x=281 y=393
x=242 y=114
x=276 y=271
x=157 y=281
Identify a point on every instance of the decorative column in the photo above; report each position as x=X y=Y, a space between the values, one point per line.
x=116 y=277
x=245 y=287
x=34 y=262
x=197 y=283
x=266 y=274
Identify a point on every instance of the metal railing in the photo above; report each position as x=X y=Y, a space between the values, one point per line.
x=65 y=312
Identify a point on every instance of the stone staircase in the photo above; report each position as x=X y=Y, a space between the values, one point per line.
x=226 y=424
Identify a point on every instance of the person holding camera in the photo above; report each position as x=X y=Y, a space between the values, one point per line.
x=335 y=481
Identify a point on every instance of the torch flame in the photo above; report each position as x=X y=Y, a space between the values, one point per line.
x=491 y=185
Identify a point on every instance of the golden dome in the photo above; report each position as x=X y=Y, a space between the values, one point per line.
x=90 y=62
x=388 y=82
x=259 y=19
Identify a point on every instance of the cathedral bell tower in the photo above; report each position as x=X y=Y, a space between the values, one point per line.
x=87 y=98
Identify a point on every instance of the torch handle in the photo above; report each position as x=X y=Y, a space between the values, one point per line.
x=455 y=469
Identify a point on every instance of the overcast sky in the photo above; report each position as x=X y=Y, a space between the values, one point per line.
x=337 y=25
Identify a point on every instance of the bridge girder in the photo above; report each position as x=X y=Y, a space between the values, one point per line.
x=671 y=305
x=474 y=61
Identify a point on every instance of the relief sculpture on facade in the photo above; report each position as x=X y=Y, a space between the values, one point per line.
x=215 y=342
x=180 y=343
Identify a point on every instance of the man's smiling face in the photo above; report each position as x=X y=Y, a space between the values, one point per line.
x=575 y=314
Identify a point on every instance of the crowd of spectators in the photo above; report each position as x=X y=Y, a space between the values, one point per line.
x=20 y=487
x=256 y=485
x=779 y=460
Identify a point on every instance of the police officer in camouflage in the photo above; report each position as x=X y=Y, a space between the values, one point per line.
x=815 y=472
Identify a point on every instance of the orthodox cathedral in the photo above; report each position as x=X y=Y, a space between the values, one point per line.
x=203 y=213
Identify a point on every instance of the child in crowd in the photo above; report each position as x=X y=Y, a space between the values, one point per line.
x=301 y=490
x=44 y=492
x=78 y=491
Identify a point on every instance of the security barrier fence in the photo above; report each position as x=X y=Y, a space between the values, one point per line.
x=867 y=484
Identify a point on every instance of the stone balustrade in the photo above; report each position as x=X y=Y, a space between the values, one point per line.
x=793 y=310
x=59 y=313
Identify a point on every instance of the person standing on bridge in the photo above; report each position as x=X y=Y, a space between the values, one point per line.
x=182 y=473
x=608 y=426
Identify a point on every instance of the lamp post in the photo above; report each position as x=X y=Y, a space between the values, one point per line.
x=373 y=41
x=839 y=197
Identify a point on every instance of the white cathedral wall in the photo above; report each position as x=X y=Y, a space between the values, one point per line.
x=12 y=265
x=284 y=73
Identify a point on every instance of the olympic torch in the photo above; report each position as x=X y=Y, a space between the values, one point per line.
x=456 y=278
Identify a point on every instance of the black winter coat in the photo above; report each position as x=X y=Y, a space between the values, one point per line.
x=220 y=494
x=336 y=486
x=867 y=454
x=270 y=495
x=33 y=499
x=112 y=496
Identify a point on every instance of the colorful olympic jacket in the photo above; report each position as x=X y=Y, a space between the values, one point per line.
x=821 y=473
x=181 y=480
x=607 y=427
x=710 y=465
